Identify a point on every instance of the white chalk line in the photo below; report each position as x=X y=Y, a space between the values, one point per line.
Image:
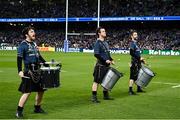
x=166 y=83
x=175 y=85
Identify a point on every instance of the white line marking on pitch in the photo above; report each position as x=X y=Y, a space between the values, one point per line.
x=176 y=86
x=168 y=83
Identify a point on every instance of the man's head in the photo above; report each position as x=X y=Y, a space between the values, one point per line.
x=134 y=35
x=29 y=33
x=101 y=32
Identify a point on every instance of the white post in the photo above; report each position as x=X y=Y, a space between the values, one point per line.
x=99 y=2
x=66 y=43
x=66 y=19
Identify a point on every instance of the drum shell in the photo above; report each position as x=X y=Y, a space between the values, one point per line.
x=110 y=79
x=144 y=77
x=50 y=78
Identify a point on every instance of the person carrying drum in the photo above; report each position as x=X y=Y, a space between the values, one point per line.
x=104 y=60
x=136 y=60
x=28 y=52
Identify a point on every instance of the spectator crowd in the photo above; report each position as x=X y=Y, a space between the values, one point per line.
x=148 y=39
x=87 y=8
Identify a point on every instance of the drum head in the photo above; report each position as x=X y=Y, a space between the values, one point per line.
x=116 y=72
x=50 y=68
x=52 y=63
x=148 y=71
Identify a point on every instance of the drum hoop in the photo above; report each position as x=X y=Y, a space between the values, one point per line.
x=49 y=68
x=144 y=67
x=52 y=63
x=116 y=71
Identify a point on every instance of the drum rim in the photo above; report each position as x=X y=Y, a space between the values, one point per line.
x=144 y=67
x=116 y=71
x=49 y=68
x=52 y=63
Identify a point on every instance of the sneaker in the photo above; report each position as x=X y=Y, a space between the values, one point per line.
x=131 y=93
x=108 y=98
x=40 y=110
x=19 y=115
x=140 y=90
x=94 y=99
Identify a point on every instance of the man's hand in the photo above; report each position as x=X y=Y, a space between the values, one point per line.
x=143 y=60
x=112 y=62
x=21 y=74
x=108 y=61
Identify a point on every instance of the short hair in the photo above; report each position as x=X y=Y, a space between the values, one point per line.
x=132 y=31
x=98 y=30
x=26 y=30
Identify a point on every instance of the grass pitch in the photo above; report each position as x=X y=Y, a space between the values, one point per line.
x=72 y=99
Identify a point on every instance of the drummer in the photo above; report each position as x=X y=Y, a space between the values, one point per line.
x=104 y=60
x=136 y=60
x=28 y=52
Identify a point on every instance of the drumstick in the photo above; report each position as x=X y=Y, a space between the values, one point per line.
x=26 y=77
x=116 y=64
x=146 y=64
x=129 y=64
x=148 y=59
x=117 y=67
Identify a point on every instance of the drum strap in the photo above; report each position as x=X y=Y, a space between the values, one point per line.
x=35 y=75
x=105 y=48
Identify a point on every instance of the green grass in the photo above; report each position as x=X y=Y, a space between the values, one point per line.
x=72 y=99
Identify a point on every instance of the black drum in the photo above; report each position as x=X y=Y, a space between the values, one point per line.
x=50 y=77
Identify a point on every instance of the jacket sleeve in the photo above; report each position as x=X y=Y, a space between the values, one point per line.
x=19 y=63
x=20 y=54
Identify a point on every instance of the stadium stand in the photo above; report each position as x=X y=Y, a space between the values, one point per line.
x=87 y=8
